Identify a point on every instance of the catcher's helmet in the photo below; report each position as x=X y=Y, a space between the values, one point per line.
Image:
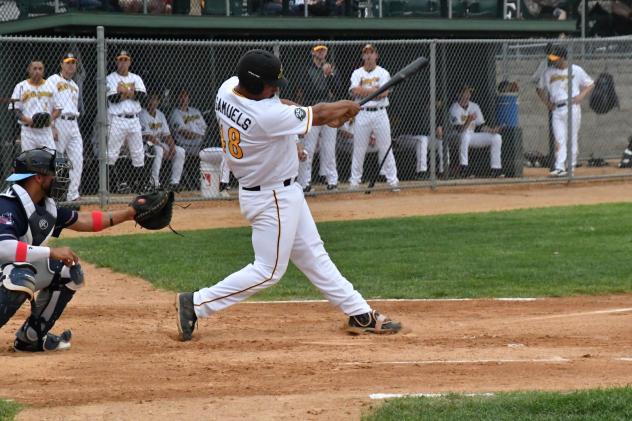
x=43 y=161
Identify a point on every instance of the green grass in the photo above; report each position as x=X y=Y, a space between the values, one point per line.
x=8 y=410
x=601 y=404
x=537 y=252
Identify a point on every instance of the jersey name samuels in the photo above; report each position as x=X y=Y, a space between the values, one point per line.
x=233 y=113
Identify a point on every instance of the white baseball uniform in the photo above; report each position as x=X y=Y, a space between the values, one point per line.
x=555 y=82
x=470 y=139
x=260 y=143
x=421 y=149
x=158 y=127
x=372 y=118
x=193 y=121
x=32 y=99
x=69 y=141
x=123 y=119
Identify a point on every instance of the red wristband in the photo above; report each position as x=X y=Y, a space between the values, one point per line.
x=97 y=221
x=20 y=252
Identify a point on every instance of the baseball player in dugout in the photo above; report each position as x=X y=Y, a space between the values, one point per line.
x=258 y=134
x=46 y=276
x=125 y=91
x=66 y=128
x=34 y=108
x=554 y=82
x=156 y=133
x=372 y=119
x=466 y=117
x=322 y=84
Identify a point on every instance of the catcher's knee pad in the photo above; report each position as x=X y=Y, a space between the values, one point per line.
x=45 y=310
x=19 y=277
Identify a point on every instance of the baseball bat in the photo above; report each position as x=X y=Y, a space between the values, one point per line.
x=398 y=78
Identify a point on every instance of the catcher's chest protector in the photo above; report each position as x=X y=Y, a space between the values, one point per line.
x=41 y=221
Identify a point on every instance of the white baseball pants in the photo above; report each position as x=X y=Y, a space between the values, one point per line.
x=422 y=153
x=177 y=164
x=325 y=137
x=125 y=129
x=31 y=138
x=70 y=142
x=282 y=230
x=480 y=140
x=560 y=123
x=216 y=156
x=376 y=122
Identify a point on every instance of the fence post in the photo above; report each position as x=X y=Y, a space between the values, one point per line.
x=433 y=115
x=570 y=151
x=101 y=125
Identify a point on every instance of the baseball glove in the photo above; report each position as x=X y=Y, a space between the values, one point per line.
x=153 y=210
x=40 y=120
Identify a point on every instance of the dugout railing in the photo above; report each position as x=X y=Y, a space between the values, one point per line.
x=500 y=74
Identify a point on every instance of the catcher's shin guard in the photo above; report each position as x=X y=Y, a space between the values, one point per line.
x=10 y=302
x=17 y=284
x=47 y=307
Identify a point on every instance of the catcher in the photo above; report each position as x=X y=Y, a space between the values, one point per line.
x=49 y=276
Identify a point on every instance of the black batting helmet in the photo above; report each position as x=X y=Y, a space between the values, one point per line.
x=43 y=161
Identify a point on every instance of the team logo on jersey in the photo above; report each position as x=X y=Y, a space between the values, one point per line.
x=43 y=224
x=6 y=219
x=300 y=114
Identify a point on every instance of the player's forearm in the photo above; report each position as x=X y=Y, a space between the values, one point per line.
x=585 y=91
x=362 y=92
x=18 y=251
x=115 y=98
x=330 y=112
x=96 y=220
x=22 y=118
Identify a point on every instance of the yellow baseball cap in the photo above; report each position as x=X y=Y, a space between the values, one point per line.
x=320 y=47
x=69 y=58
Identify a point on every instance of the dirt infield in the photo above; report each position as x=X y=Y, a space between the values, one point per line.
x=293 y=360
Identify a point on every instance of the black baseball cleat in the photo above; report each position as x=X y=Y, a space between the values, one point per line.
x=186 y=315
x=332 y=187
x=50 y=343
x=372 y=322
x=307 y=188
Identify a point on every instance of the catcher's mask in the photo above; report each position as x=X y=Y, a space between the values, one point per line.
x=44 y=161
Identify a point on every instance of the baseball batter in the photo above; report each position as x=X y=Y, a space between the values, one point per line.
x=66 y=127
x=156 y=133
x=372 y=118
x=31 y=96
x=259 y=134
x=554 y=81
x=125 y=90
x=466 y=116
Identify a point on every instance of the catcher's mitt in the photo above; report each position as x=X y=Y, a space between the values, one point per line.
x=40 y=120
x=153 y=210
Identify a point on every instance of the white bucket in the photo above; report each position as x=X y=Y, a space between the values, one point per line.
x=209 y=184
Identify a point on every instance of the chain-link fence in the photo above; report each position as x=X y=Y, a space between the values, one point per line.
x=144 y=111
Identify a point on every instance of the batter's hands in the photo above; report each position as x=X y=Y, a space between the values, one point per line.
x=302 y=155
x=65 y=254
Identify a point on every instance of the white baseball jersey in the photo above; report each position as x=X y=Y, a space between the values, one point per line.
x=126 y=106
x=66 y=94
x=373 y=79
x=458 y=115
x=156 y=126
x=555 y=81
x=259 y=137
x=32 y=98
x=191 y=120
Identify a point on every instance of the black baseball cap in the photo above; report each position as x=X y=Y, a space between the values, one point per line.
x=260 y=66
x=31 y=162
x=123 y=54
x=69 y=57
x=557 y=52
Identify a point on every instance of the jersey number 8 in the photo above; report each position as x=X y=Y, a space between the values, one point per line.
x=234 y=137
